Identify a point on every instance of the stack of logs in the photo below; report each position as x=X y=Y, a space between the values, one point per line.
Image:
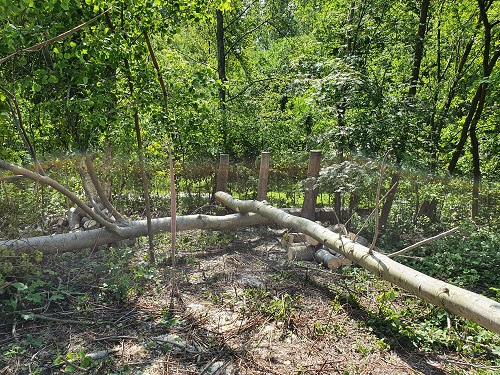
x=77 y=219
x=301 y=247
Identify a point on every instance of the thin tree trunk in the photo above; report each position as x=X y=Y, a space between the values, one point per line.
x=419 y=49
x=221 y=70
x=145 y=184
x=437 y=128
x=478 y=103
x=61 y=243
x=465 y=130
x=412 y=91
x=18 y=121
x=476 y=170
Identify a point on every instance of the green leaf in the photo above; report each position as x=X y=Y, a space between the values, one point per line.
x=87 y=362
x=28 y=316
x=72 y=44
x=34 y=297
x=20 y=286
x=71 y=356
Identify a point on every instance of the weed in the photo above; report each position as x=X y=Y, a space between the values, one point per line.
x=72 y=362
x=320 y=329
x=279 y=308
x=281 y=275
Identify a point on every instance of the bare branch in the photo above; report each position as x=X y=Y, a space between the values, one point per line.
x=243 y=36
x=11 y=178
x=421 y=243
x=100 y=191
x=237 y=17
x=57 y=186
x=39 y=46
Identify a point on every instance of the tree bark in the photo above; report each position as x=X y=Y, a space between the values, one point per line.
x=458 y=301
x=60 y=243
x=419 y=48
x=386 y=207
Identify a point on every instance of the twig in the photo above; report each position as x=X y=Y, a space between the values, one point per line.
x=421 y=243
x=373 y=211
x=473 y=365
x=11 y=178
x=72 y=364
x=39 y=46
x=6 y=285
x=113 y=338
x=63 y=321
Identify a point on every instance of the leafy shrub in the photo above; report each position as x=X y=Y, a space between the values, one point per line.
x=469 y=259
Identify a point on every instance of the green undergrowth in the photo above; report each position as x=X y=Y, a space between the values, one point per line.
x=403 y=321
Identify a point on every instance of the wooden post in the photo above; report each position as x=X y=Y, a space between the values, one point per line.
x=309 y=206
x=263 y=176
x=223 y=172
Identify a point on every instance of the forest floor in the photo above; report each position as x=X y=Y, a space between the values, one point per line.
x=241 y=308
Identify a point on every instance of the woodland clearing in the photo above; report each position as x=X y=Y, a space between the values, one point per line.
x=241 y=308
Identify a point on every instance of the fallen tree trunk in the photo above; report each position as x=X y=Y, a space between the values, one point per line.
x=77 y=240
x=458 y=301
x=60 y=243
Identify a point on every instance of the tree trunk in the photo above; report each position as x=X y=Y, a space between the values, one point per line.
x=61 y=243
x=386 y=207
x=55 y=244
x=458 y=301
x=465 y=129
x=476 y=167
x=477 y=106
x=419 y=49
x=412 y=91
x=221 y=70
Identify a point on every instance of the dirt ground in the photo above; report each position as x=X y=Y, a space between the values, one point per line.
x=241 y=308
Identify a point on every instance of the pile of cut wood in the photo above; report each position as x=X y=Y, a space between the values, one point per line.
x=301 y=247
x=77 y=219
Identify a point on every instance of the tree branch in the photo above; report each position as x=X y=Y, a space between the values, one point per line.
x=421 y=243
x=39 y=46
x=61 y=189
x=100 y=191
x=244 y=35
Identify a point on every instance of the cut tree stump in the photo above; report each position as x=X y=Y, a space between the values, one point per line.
x=89 y=224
